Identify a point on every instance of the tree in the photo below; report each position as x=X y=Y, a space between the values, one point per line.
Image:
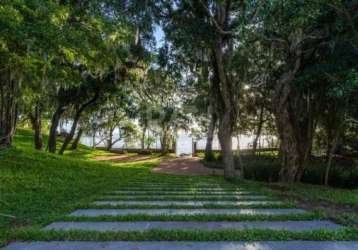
x=287 y=37
x=211 y=23
x=23 y=52
x=297 y=43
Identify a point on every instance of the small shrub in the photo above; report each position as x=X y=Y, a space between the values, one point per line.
x=262 y=168
x=343 y=174
x=209 y=158
x=145 y=152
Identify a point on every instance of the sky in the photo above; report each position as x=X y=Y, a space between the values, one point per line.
x=159 y=36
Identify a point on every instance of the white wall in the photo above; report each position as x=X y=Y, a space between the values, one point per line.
x=184 y=145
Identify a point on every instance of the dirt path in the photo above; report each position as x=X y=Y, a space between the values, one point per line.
x=124 y=158
x=185 y=166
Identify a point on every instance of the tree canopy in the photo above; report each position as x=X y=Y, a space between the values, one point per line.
x=284 y=68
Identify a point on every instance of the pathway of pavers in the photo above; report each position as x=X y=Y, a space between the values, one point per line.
x=185 y=245
x=203 y=199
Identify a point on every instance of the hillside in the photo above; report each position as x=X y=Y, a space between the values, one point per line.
x=37 y=187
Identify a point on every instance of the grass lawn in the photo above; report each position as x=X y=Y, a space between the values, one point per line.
x=340 y=205
x=38 y=188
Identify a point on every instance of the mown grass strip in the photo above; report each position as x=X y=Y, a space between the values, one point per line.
x=187 y=235
x=201 y=217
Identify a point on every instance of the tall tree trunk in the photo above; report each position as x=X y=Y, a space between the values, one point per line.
x=226 y=109
x=142 y=142
x=69 y=137
x=225 y=138
x=293 y=116
x=77 y=139
x=164 y=140
x=36 y=122
x=110 y=139
x=53 y=128
x=330 y=158
x=238 y=155
x=209 y=156
x=149 y=141
x=258 y=131
x=296 y=133
x=8 y=109
x=94 y=139
x=77 y=117
x=290 y=158
x=334 y=125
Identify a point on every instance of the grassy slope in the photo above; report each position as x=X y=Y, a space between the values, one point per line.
x=38 y=186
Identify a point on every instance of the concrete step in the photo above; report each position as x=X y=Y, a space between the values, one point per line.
x=184 y=197
x=186 y=203
x=169 y=188
x=163 y=211
x=178 y=184
x=184 y=245
x=120 y=192
x=183 y=225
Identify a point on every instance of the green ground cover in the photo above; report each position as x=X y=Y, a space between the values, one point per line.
x=38 y=188
x=308 y=192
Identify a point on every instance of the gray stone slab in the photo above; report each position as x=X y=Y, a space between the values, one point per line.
x=187 y=203
x=184 y=245
x=182 y=192
x=163 y=211
x=184 y=225
x=178 y=185
x=186 y=184
x=186 y=197
x=168 y=188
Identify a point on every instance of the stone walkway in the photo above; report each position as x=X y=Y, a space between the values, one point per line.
x=165 y=196
x=183 y=245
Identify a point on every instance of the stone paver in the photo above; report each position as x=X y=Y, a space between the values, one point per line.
x=187 y=203
x=182 y=192
x=186 y=197
x=180 y=184
x=176 y=225
x=230 y=211
x=173 y=188
x=185 y=245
